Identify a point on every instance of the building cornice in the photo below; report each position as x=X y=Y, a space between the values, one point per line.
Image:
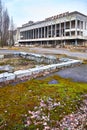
x=53 y=18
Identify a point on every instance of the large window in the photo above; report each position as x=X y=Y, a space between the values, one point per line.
x=73 y=24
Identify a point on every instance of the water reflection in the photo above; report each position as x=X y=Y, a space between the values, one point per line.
x=78 y=73
x=53 y=82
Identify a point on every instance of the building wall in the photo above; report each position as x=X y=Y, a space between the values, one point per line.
x=17 y=36
x=71 y=26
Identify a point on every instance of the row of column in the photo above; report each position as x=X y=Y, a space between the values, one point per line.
x=57 y=30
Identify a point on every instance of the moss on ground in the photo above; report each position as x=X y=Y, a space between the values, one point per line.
x=16 y=101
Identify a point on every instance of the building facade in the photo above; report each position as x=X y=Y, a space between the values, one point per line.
x=62 y=29
x=16 y=36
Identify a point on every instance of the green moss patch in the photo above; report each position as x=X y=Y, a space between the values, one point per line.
x=58 y=100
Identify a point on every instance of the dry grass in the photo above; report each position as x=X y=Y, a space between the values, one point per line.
x=18 y=63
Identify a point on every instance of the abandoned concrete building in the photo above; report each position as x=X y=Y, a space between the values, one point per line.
x=62 y=29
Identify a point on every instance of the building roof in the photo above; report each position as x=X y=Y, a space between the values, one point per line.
x=52 y=18
x=76 y=12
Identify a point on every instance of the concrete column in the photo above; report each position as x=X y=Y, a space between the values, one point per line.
x=64 y=43
x=55 y=30
x=55 y=42
x=47 y=43
x=51 y=30
x=47 y=31
x=76 y=43
x=27 y=34
x=76 y=27
x=60 y=29
x=64 y=28
x=80 y=28
x=82 y=25
x=24 y=35
x=33 y=33
x=41 y=32
x=38 y=32
x=44 y=31
x=70 y=27
x=41 y=43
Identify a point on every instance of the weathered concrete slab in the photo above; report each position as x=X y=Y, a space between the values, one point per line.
x=35 y=72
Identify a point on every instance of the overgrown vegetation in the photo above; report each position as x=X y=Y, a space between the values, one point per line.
x=17 y=101
x=18 y=63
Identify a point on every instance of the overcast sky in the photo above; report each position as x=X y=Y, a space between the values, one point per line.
x=23 y=11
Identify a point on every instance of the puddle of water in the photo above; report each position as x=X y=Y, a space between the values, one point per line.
x=53 y=82
x=78 y=73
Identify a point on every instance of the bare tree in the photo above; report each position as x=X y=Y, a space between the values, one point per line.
x=5 y=30
x=4 y=25
x=11 y=34
x=0 y=23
